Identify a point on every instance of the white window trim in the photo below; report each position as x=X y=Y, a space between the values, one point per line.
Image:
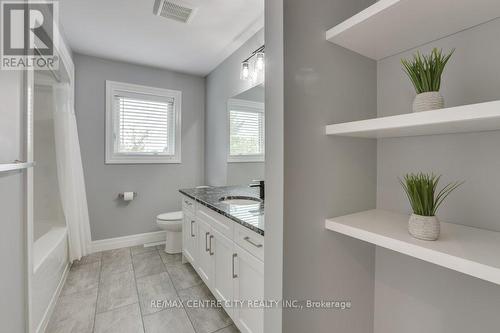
x=251 y=106
x=111 y=157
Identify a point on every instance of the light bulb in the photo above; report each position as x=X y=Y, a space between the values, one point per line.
x=245 y=70
x=259 y=64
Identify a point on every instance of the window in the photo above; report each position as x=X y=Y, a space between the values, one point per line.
x=246 y=131
x=143 y=124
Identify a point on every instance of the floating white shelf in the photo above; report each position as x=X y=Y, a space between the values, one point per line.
x=4 y=167
x=389 y=27
x=471 y=251
x=460 y=119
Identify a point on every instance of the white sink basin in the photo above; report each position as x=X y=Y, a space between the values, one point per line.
x=240 y=201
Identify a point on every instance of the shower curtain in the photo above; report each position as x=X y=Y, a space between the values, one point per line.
x=70 y=173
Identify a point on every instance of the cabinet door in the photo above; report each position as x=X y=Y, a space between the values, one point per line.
x=189 y=237
x=222 y=282
x=204 y=259
x=248 y=287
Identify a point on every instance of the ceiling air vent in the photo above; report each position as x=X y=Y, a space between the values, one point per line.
x=174 y=9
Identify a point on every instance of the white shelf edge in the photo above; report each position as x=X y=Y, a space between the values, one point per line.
x=362 y=16
x=417 y=249
x=5 y=167
x=389 y=27
x=460 y=119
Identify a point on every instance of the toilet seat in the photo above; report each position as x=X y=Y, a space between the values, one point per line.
x=172 y=224
x=172 y=216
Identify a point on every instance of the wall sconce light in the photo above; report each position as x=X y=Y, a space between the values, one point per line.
x=259 y=63
x=245 y=70
x=252 y=68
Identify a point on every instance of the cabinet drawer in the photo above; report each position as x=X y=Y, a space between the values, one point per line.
x=249 y=240
x=217 y=221
x=188 y=204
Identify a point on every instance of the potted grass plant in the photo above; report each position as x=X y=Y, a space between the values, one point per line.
x=425 y=73
x=421 y=190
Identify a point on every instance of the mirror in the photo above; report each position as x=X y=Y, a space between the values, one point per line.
x=246 y=122
x=254 y=94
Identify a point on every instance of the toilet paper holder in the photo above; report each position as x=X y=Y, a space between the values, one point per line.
x=122 y=195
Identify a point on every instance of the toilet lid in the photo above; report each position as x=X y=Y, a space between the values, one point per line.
x=172 y=216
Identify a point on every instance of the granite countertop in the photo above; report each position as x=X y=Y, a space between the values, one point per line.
x=249 y=216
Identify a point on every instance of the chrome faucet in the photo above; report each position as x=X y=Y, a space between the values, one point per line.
x=260 y=184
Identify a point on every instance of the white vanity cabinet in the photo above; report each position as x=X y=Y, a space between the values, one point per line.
x=203 y=263
x=248 y=286
x=189 y=236
x=229 y=259
x=223 y=269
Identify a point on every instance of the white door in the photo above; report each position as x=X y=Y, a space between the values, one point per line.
x=248 y=287
x=204 y=259
x=222 y=282
x=189 y=237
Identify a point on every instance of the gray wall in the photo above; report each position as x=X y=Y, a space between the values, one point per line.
x=325 y=176
x=156 y=184
x=221 y=84
x=408 y=290
x=13 y=314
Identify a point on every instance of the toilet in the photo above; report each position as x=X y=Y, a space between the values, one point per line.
x=172 y=224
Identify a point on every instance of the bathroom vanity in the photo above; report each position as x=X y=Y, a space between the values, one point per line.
x=223 y=239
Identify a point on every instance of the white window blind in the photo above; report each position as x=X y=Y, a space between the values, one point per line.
x=144 y=126
x=246 y=131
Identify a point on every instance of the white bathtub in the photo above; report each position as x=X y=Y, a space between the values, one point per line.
x=50 y=264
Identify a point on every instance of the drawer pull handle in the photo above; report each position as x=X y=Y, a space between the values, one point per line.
x=188 y=203
x=252 y=242
x=235 y=276
x=192 y=234
x=210 y=244
x=206 y=242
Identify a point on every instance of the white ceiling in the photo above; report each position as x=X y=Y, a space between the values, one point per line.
x=127 y=30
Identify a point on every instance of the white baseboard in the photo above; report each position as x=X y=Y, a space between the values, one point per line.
x=154 y=244
x=53 y=301
x=126 y=241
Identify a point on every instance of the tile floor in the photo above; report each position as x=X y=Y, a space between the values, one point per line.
x=112 y=292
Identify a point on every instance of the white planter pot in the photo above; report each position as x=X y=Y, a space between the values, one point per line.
x=428 y=101
x=424 y=227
